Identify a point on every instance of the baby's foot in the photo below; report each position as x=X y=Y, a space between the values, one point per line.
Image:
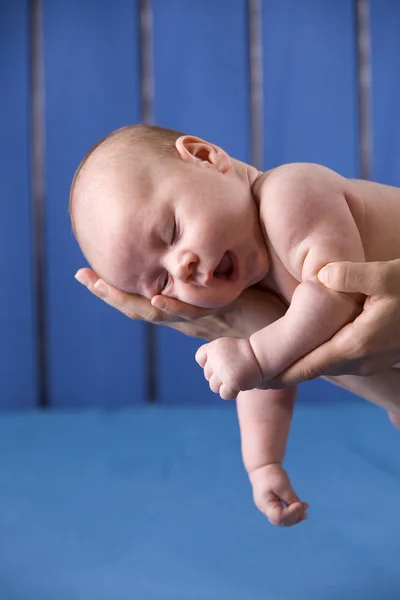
x=395 y=418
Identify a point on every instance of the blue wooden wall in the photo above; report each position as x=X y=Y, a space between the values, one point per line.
x=92 y=85
x=18 y=364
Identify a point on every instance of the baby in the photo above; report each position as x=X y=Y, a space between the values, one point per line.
x=160 y=213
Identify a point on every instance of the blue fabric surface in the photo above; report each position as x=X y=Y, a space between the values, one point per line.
x=153 y=503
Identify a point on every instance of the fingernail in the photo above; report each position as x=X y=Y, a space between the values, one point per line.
x=83 y=280
x=101 y=287
x=158 y=303
x=323 y=275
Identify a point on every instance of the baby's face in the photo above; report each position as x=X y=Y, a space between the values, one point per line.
x=193 y=235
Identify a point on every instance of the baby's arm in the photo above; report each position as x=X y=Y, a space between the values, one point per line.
x=313 y=318
x=264 y=419
x=308 y=223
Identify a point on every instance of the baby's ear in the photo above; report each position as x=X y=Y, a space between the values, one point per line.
x=194 y=149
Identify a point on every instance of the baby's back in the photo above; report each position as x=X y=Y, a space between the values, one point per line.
x=376 y=210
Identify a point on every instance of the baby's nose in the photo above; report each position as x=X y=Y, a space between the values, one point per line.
x=186 y=266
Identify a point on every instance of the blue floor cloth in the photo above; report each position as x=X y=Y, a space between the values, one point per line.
x=154 y=504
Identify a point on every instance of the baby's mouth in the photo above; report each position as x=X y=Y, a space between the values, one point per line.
x=227 y=267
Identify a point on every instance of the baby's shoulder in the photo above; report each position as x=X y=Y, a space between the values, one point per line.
x=290 y=190
x=301 y=176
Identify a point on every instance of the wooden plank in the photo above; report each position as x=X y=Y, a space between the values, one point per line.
x=201 y=70
x=18 y=373
x=385 y=59
x=95 y=354
x=310 y=83
x=310 y=96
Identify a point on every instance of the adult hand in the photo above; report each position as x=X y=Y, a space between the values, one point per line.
x=369 y=344
x=253 y=310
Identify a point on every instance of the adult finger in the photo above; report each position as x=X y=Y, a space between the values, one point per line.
x=177 y=310
x=133 y=306
x=359 y=348
x=375 y=278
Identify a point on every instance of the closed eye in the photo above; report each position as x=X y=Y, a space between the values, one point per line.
x=165 y=281
x=174 y=233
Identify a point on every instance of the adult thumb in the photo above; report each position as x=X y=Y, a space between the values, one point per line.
x=349 y=277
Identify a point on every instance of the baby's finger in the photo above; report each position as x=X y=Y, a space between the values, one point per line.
x=285 y=493
x=201 y=355
x=293 y=514
x=285 y=516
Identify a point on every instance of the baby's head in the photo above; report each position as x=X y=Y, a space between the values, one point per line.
x=158 y=212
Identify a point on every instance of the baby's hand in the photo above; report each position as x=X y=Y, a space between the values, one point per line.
x=229 y=366
x=275 y=498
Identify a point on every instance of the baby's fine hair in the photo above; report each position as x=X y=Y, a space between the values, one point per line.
x=135 y=140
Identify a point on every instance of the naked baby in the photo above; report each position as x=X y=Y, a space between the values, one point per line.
x=159 y=213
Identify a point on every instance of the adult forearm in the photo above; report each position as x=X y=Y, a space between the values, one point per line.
x=382 y=389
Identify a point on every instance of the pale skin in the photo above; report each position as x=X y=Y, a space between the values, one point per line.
x=368 y=345
x=310 y=214
x=208 y=267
